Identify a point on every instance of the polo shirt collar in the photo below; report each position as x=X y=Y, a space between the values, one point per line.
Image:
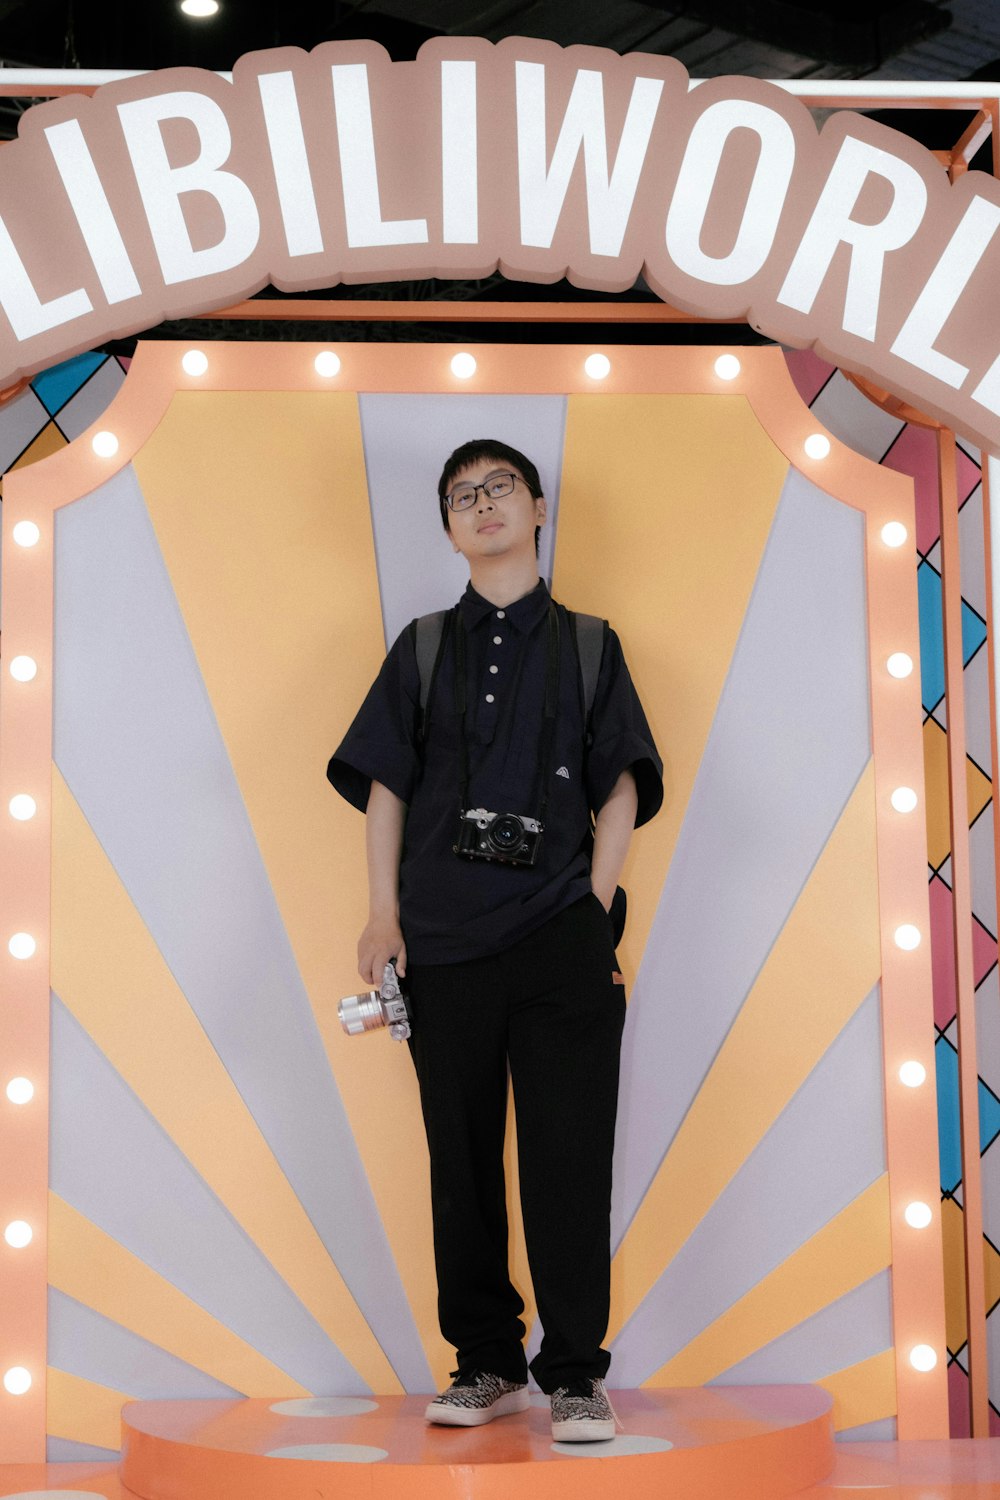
x=524 y=614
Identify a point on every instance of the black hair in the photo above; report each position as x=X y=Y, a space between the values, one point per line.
x=475 y=452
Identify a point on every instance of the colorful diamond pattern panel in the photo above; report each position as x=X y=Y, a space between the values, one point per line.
x=984 y=951
x=913 y=451
x=929 y=594
x=978 y=789
x=61 y=383
x=949 y=1137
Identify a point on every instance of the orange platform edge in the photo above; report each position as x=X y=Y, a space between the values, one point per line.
x=762 y=1443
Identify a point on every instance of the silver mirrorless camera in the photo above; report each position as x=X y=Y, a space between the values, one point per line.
x=508 y=838
x=385 y=1006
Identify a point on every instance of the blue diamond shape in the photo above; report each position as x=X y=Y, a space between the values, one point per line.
x=55 y=387
x=932 y=635
x=949 y=1127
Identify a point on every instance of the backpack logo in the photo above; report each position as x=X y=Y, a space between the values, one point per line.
x=562 y=771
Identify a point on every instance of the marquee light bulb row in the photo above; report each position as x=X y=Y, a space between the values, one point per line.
x=18 y=1234
x=597 y=366
x=907 y=937
x=463 y=366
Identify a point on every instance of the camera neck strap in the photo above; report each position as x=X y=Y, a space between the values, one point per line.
x=550 y=709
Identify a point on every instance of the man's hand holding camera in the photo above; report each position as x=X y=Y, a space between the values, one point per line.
x=381 y=941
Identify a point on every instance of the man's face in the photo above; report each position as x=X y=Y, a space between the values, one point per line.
x=494 y=526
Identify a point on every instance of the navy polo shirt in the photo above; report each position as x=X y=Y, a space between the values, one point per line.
x=452 y=908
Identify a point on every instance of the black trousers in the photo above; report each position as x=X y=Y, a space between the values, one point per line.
x=549 y=1007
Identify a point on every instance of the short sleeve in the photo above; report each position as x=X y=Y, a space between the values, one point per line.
x=622 y=739
x=381 y=744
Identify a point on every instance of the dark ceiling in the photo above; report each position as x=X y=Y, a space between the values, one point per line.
x=796 y=37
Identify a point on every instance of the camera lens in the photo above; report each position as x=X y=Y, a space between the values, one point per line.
x=506 y=833
x=359 y=1013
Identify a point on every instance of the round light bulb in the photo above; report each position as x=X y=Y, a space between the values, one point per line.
x=817 y=445
x=23 y=668
x=104 y=444
x=904 y=799
x=20 y=1091
x=17 y=1380
x=200 y=8
x=912 y=1073
x=597 y=366
x=727 y=367
x=923 y=1357
x=907 y=937
x=22 y=945
x=917 y=1215
x=327 y=363
x=899 y=664
x=22 y=807
x=463 y=366
x=195 y=362
x=894 y=533
x=26 y=534
x=18 y=1234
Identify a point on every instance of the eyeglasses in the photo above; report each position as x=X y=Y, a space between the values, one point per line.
x=493 y=488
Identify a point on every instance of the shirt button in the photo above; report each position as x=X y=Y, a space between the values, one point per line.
x=501 y=614
x=494 y=669
x=498 y=640
x=489 y=697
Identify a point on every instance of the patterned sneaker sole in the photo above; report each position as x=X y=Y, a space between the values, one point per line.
x=469 y=1416
x=584 y=1430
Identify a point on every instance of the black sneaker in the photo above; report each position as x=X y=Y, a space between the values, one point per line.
x=582 y=1413
x=475 y=1397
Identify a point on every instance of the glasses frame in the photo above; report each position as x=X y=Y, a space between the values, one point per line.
x=463 y=488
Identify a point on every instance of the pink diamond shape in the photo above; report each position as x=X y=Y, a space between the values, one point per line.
x=984 y=952
x=809 y=373
x=915 y=453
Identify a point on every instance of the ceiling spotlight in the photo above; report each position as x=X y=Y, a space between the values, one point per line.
x=727 y=367
x=200 y=8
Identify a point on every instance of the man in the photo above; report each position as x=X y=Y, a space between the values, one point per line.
x=504 y=936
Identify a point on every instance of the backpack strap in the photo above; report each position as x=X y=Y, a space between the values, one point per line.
x=589 y=634
x=428 y=633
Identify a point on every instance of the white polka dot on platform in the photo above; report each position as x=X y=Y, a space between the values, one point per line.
x=344 y=1453
x=324 y=1406
x=617 y=1447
